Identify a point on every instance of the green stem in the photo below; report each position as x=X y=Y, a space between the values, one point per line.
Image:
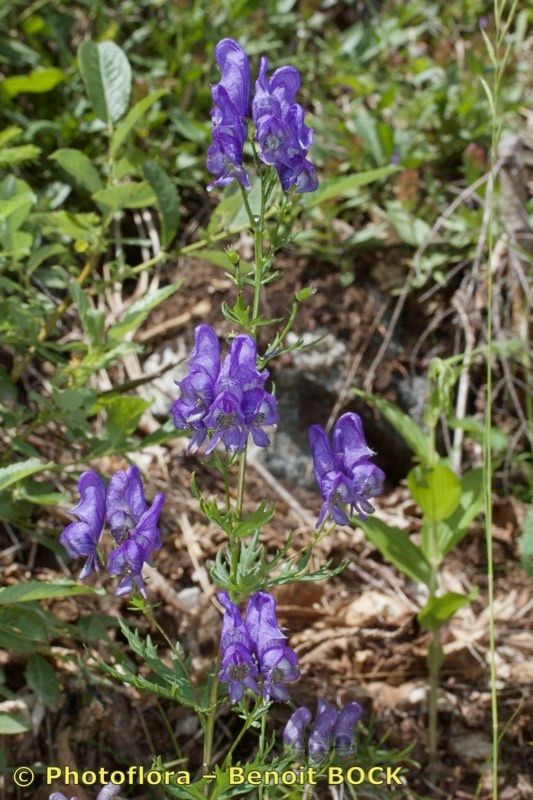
x=434 y=669
x=209 y=727
x=258 y=259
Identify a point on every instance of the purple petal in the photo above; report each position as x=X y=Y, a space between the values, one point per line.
x=294 y=731
x=344 y=731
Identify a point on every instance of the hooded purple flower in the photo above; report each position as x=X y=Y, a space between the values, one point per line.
x=295 y=728
x=331 y=729
x=107 y=792
x=80 y=539
x=127 y=560
x=321 y=735
x=283 y=137
x=237 y=667
x=278 y=664
x=224 y=402
x=345 y=475
x=344 y=731
x=231 y=98
x=134 y=526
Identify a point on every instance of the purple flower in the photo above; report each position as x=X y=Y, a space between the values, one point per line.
x=107 y=792
x=331 y=729
x=259 y=408
x=321 y=735
x=344 y=731
x=231 y=98
x=345 y=475
x=127 y=560
x=283 y=137
x=237 y=667
x=224 y=402
x=278 y=664
x=295 y=728
x=125 y=502
x=134 y=526
x=80 y=539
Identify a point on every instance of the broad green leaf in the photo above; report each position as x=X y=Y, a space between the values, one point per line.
x=437 y=490
x=38 y=81
x=106 y=73
x=10 y=156
x=39 y=590
x=134 y=115
x=42 y=494
x=126 y=195
x=80 y=167
x=123 y=415
x=21 y=469
x=347 y=185
x=10 y=724
x=412 y=230
x=168 y=201
x=412 y=434
x=438 y=610
x=451 y=530
x=21 y=627
x=525 y=543
x=139 y=310
x=366 y=127
x=42 y=679
x=396 y=546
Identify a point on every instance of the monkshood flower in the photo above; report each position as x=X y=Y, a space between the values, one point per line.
x=254 y=650
x=332 y=730
x=224 y=401
x=284 y=139
x=238 y=668
x=278 y=664
x=134 y=526
x=294 y=731
x=80 y=539
x=343 y=469
x=231 y=99
x=108 y=792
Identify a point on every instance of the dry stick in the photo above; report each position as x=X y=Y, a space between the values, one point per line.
x=48 y=328
x=464 y=384
x=354 y=366
x=464 y=195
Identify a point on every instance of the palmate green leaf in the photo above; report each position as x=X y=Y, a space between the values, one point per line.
x=106 y=73
x=136 y=194
x=123 y=415
x=139 y=310
x=437 y=490
x=11 y=724
x=40 y=80
x=134 y=115
x=168 y=201
x=331 y=188
x=42 y=679
x=438 y=610
x=412 y=434
x=80 y=167
x=396 y=546
x=20 y=470
x=29 y=591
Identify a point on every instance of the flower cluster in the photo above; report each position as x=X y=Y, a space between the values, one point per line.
x=231 y=99
x=345 y=475
x=332 y=729
x=254 y=650
x=134 y=526
x=283 y=139
x=224 y=401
